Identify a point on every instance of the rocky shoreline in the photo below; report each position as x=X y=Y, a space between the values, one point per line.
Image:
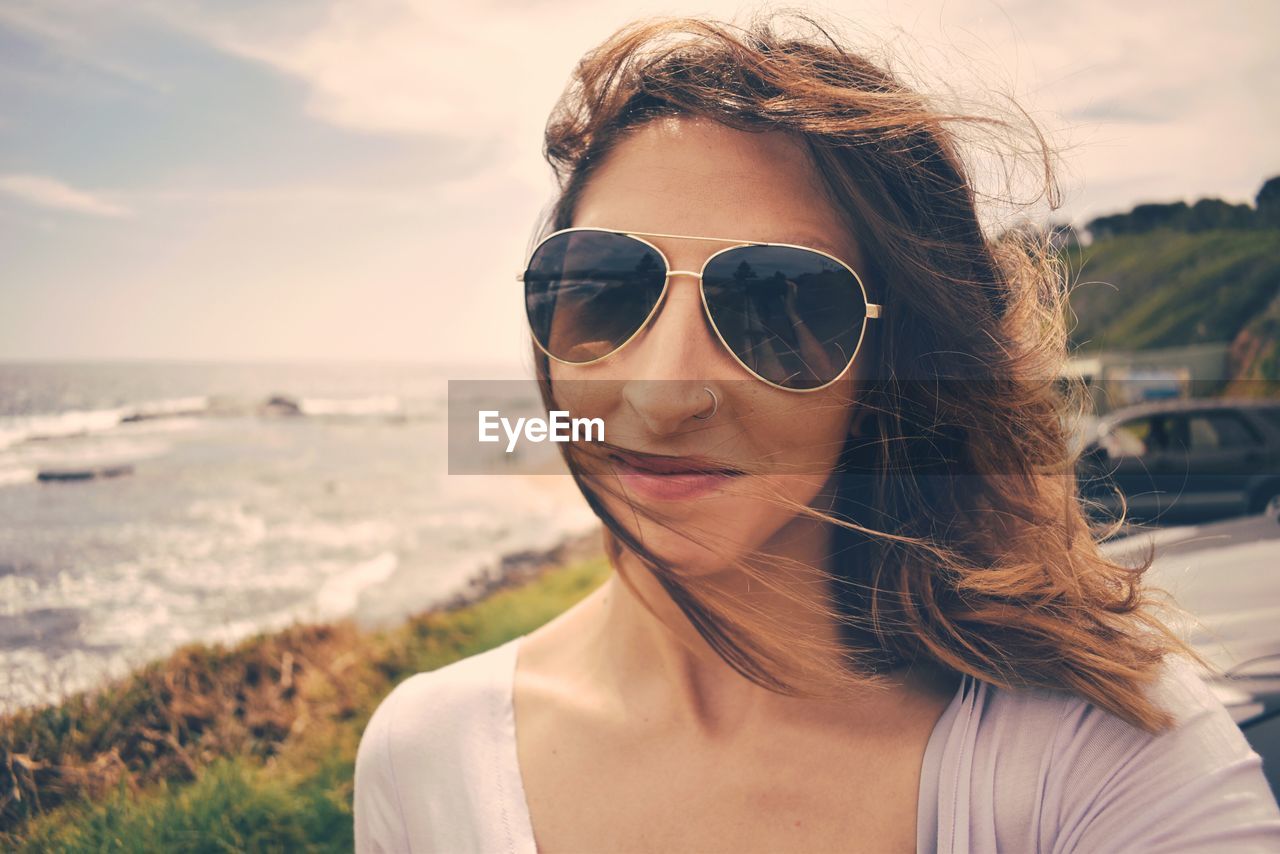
x=517 y=567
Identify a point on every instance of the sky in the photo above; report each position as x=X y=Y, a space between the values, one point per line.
x=359 y=180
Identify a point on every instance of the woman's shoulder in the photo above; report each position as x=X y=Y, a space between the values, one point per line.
x=440 y=708
x=1090 y=744
x=452 y=691
x=1092 y=781
x=1177 y=688
x=431 y=741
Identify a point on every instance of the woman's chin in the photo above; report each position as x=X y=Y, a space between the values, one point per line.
x=698 y=537
x=688 y=558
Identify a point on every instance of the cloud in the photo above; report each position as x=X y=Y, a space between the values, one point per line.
x=490 y=70
x=411 y=67
x=82 y=43
x=46 y=192
x=1112 y=89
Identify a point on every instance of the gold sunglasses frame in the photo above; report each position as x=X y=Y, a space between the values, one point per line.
x=874 y=310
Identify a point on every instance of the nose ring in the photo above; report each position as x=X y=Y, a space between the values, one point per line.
x=715 y=405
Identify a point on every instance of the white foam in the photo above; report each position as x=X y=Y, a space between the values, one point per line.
x=29 y=677
x=237 y=630
x=131 y=625
x=76 y=422
x=336 y=534
x=92 y=452
x=230 y=513
x=340 y=594
x=81 y=422
x=376 y=405
x=168 y=424
x=13 y=476
x=17 y=593
x=172 y=406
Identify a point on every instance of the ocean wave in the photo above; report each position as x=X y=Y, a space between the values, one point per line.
x=17 y=475
x=156 y=415
x=101 y=455
x=230 y=515
x=358 y=406
x=340 y=594
x=15 y=429
x=336 y=535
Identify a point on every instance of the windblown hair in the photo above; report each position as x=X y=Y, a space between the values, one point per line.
x=988 y=565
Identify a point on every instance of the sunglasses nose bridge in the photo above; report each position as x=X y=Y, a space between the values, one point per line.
x=691 y=274
x=684 y=334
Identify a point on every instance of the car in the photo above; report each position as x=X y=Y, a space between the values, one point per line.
x=1181 y=461
x=1224 y=579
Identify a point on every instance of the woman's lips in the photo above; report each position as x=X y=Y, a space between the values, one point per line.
x=670 y=478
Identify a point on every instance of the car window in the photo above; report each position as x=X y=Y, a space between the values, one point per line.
x=1129 y=439
x=1177 y=429
x=1271 y=415
x=1148 y=435
x=1215 y=430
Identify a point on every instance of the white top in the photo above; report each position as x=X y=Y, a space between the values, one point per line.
x=1037 y=770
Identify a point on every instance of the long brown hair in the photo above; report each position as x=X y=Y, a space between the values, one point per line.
x=995 y=572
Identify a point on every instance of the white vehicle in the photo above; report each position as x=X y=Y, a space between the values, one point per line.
x=1227 y=576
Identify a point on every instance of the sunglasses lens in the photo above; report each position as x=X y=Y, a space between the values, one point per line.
x=587 y=292
x=793 y=316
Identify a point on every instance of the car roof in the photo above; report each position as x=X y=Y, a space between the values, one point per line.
x=1220 y=572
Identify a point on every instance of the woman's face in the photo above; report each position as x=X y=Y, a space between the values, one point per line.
x=691 y=176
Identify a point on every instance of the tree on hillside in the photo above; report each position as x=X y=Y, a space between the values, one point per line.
x=1151 y=216
x=1113 y=225
x=1205 y=215
x=1215 y=213
x=1141 y=219
x=1268 y=203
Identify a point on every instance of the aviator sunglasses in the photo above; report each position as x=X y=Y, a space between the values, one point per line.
x=791 y=315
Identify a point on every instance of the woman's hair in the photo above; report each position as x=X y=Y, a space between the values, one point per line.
x=960 y=538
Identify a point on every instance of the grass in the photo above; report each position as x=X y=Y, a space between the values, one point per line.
x=234 y=805
x=250 y=748
x=1171 y=288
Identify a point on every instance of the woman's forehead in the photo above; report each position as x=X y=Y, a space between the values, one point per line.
x=700 y=178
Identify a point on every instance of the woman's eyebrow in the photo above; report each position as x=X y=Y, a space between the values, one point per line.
x=812 y=241
x=807 y=239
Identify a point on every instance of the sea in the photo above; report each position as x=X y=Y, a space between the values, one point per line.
x=146 y=505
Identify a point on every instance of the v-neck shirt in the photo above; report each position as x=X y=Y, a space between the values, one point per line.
x=1027 y=770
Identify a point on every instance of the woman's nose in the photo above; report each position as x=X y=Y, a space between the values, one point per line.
x=677 y=343
x=669 y=363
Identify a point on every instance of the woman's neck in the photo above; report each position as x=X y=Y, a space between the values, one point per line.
x=659 y=665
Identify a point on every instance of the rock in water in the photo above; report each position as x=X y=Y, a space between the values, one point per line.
x=84 y=473
x=280 y=405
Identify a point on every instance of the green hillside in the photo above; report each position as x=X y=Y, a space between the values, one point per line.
x=1168 y=288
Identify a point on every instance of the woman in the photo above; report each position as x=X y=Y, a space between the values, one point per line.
x=855 y=605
